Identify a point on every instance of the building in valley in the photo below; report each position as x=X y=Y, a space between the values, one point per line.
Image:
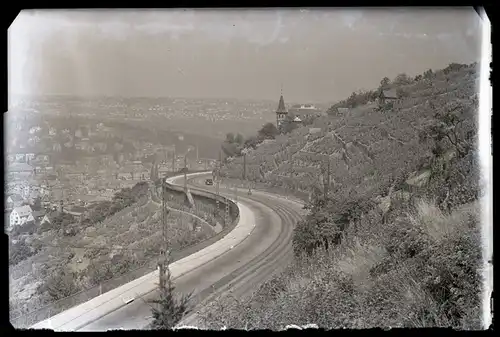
x=21 y=215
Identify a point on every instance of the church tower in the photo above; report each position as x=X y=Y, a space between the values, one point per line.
x=281 y=112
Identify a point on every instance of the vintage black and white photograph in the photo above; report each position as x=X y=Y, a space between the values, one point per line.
x=260 y=168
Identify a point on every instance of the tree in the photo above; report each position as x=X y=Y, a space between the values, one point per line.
x=288 y=125
x=252 y=142
x=418 y=78
x=268 y=131
x=169 y=310
x=385 y=82
x=401 y=93
x=231 y=149
x=428 y=74
x=239 y=139
x=230 y=137
x=37 y=204
x=402 y=79
x=21 y=251
x=60 y=284
x=452 y=125
x=453 y=67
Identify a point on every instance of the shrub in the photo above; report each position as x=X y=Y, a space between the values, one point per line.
x=417 y=263
x=61 y=283
x=20 y=251
x=99 y=271
x=169 y=309
x=57 y=222
x=28 y=227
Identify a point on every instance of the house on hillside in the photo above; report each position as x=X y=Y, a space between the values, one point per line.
x=387 y=96
x=304 y=111
x=20 y=169
x=76 y=174
x=39 y=216
x=56 y=147
x=133 y=172
x=30 y=156
x=21 y=215
x=342 y=112
x=20 y=157
x=14 y=200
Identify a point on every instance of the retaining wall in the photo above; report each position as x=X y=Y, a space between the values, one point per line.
x=202 y=199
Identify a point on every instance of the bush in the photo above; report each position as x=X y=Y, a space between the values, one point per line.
x=57 y=222
x=20 y=251
x=61 y=284
x=169 y=309
x=406 y=263
x=26 y=228
x=99 y=271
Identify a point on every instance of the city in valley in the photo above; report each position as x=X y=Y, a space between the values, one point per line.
x=274 y=169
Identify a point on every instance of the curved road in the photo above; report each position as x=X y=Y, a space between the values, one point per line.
x=266 y=249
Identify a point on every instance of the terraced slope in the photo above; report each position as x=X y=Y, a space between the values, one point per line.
x=363 y=139
x=397 y=241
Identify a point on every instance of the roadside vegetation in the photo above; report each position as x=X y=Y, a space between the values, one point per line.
x=169 y=309
x=393 y=238
x=55 y=260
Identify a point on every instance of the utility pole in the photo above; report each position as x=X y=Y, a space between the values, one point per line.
x=326 y=182
x=244 y=166
x=61 y=204
x=291 y=165
x=217 y=186
x=164 y=254
x=185 y=173
x=173 y=161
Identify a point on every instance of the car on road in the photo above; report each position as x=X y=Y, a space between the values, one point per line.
x=209 y=182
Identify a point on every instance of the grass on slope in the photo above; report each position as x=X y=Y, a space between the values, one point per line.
x=397 y=241
x=366 y=144
x=416 y=272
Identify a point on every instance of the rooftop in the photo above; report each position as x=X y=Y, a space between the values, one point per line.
x=20 y=167
x=16 y=197
x=23 y=210
x=38 y=213
x=390 y=93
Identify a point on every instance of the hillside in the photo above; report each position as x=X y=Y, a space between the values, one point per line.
x=361 y=141
x=394 y=239
x=112 y=244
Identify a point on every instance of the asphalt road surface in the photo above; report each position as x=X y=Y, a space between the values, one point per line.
x=264 y=252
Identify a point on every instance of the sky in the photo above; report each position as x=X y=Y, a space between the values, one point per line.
x=317 y=55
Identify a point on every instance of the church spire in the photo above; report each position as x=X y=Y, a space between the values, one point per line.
x=281 y=104
x=281 y=112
